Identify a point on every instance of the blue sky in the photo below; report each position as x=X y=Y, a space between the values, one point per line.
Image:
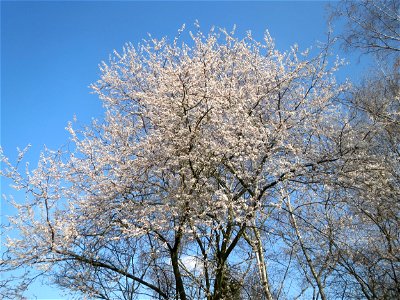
x=50 y=53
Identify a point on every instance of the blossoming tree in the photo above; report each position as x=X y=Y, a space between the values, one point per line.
x=198 y=174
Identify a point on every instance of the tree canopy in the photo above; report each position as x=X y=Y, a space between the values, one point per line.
x=223 y=169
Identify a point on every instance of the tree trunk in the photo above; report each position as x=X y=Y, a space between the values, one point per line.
x=180 y=289
x=262 y=268
x=304 y=250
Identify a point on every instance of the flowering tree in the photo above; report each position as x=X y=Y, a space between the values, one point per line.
x=199 y=173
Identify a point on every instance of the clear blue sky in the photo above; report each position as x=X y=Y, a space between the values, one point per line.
x=50 y=53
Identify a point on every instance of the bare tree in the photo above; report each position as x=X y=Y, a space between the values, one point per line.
x=375 y=263
x=368 y=257
x=372 y=26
